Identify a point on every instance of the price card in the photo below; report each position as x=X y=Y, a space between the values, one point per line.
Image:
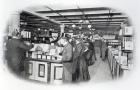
x=59 y=58
x=49 y=57
x=53 y=57
x=39 y=56
x=43 y=56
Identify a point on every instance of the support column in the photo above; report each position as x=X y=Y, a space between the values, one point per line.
x=62 y=27
x=14 y=23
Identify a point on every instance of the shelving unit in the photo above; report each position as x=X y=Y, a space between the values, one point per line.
x=122 y=64
x=127 y=47
x=113 y=42
x=127 y=43
x=114 y=64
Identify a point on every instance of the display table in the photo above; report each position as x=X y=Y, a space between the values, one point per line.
x=44 y=70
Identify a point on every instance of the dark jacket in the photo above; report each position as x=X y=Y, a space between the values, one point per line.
x=76 y=55
x=80 y=67
x=91 y=53
x=98 y=43
x=15 y=52
x=103 y=49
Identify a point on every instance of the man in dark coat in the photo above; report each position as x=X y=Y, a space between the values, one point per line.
x=15 y=53
x=80 y=67
x=98 y=45
x=75 y=64
x=104 y=49
x=90 y=53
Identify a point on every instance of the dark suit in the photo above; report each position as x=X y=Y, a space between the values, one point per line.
x=98 y=46
x=103 y=48
x=67 y=63
x=15 y=54
x=80 y=67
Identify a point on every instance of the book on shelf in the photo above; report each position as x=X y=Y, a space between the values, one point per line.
x=123 y=60
x=128 y=30
x=128 y=43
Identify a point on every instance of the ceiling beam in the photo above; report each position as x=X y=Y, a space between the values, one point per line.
x=106 y=26
x=33 y=17
x=92 y=17
x=91 y=23
x=40 y=19
x=99 y=14
x=84 y=15
x=111 y=28
x=94 y=21
x=113 y=18
x=95 y=25
x=40 y=16
x=29 y=20
x=33 y=23
x=75 y=10
x=59 y=14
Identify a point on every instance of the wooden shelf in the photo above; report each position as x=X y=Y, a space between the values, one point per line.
x=127 y=51
x=127 y=35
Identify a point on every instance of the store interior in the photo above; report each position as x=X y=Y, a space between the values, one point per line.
x=43 y=25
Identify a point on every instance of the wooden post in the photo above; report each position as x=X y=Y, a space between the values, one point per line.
x=62 y=27
x=14 y=23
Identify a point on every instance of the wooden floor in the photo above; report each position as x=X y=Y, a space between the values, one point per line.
x=100 y=71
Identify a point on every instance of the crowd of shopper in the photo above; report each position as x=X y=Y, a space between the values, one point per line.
x=78 y=54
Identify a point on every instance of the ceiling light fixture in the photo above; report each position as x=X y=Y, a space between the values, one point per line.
x=86 y=21
x=93 y=29
x=38 y=29
x=80 y=27
x=80 y=21
x=73 y=25
x=89 y=26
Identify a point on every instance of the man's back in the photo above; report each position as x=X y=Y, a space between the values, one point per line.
x=15 y=49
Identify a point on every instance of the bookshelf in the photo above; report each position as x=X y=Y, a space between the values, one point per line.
x=127 y=48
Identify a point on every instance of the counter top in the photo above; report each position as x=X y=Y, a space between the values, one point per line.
x=43 y=60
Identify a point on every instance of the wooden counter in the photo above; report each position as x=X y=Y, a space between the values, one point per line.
x=44 y=70
x=117 y=69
